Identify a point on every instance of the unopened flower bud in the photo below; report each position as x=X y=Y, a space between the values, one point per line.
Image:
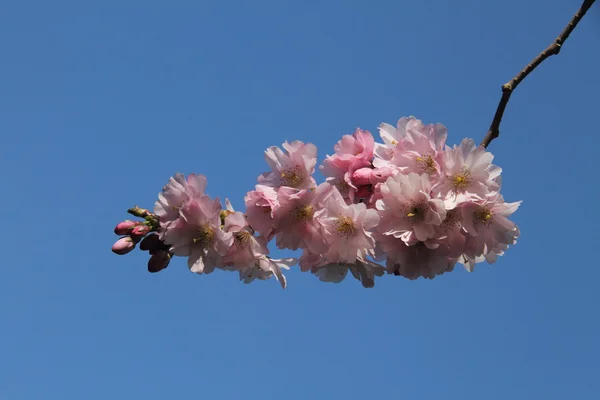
x=362 y=176
x=139 y=231
x=123 y=245
x=364 y=191
x=125 y=227
x=151 y=242
x=159 y=261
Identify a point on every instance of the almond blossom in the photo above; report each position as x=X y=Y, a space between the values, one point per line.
x=175 y=194
x=423 y=259
x=489 y=232
x=265 y=267
x=411 y=201
x=260 y=204
x=293 y=168
x=364 y=271
x=198 y=235
x=346 y=229
x=352 y=152
x=295 y=222
x=468 y=174
x=420 y=148
x=407 y=209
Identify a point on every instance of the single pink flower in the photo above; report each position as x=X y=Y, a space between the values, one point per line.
x=422 y=149
x=407 y=210
x=423 y=259
x=295 y=222
x=489 y=231
x=198 y=235
x=246 y=247
x=175 y=194
x=363 y=270
x=468 y=174
x=260 y=204
x=347 y=229
x=352 y=152
x=349 y=150
x=293 y=168
x=265 y=267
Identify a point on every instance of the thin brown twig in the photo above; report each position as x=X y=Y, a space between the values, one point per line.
x=511 y=85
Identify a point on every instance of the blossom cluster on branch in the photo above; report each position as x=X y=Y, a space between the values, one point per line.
x=411 y=202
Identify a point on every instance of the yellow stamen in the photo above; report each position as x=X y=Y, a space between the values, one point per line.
x=410 y=214
x=205 y=233
x=461 y=180
x=344 y=226
x=484 y=216
x=426 y=163
x=242 y=237
x=303 y=213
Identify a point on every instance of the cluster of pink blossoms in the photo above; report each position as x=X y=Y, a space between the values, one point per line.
x=411 y=201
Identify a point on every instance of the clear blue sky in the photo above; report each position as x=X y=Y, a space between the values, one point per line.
x=100 y=102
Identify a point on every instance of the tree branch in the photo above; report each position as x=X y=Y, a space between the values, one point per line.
x=510 y=86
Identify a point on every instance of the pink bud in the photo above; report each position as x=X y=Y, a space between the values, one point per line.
x=123 y=246
x=123 y=228
x=139 y=231
x=364 y=191
x=362 y=176
x=159 y=261
x=381 y=174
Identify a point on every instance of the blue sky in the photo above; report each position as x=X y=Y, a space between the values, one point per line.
x=100 y=102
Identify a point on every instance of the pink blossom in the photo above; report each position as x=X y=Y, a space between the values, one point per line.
x=293 y=168
x=363 y=270
x=450 y=236
x=407 y=210
x=295 y=222
x=346 y=229
x=394 y=138
x=423 y=259
x=355 y=149
x=246 y=247
x=260 y=204
x=175 y=194
x=468 y=174
x=352 y=152
x=198 y=235
x=422 y=149
x=489 y=232
x=265 y=268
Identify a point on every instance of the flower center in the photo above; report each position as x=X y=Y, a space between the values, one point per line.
x=462 y=179
x=344 y=226
x=292 y=176
x=204 y=234
x=242 y=238
x=484 y=216
x=416 y=213
x=426 y=163
x=303 y=213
